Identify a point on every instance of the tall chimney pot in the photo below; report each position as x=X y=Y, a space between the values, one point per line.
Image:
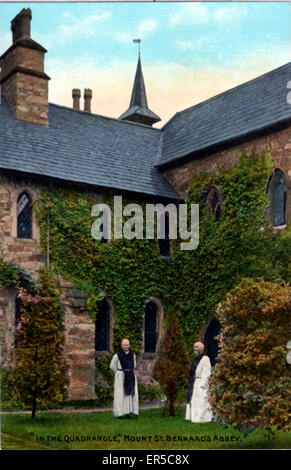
x=76 y=94
x=20 y=25
x=87 y=100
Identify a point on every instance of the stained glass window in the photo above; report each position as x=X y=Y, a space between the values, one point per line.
x=150 y=327
x=277 y=198
x=24 y=216
x=102 y=327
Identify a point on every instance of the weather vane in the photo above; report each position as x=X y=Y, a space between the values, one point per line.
x=137 y=41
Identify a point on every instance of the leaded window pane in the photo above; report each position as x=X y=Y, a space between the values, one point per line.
x=277 y=198
x=102 y=326
x=150 y=327
x=24 y=216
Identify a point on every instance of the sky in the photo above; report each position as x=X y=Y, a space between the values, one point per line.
x=190 y=51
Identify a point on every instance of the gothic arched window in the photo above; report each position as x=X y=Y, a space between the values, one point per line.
x=213 y=202
x=150 y=327
x=102 y=327
x=277 y=199
x=164 y=243
x=24 y=216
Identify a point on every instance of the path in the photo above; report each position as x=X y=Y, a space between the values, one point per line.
x=142 y=406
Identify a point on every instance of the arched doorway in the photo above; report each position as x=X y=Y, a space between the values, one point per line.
x=102 y=326
x=211 y=344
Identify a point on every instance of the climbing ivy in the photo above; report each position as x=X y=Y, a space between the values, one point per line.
x=239 y=244
x=8 y=274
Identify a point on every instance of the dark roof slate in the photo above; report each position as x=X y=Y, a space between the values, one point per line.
x=84 y=148
x=246 y=108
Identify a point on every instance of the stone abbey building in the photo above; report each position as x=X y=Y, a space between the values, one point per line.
x=45 y=145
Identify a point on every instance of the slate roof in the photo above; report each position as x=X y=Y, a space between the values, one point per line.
x=114 y=154
x=246 y=108
x=84 y=148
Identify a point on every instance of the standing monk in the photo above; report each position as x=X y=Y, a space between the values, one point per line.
x=198 y=408
x=123 y=365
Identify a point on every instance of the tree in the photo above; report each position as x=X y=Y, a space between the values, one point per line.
x=251 y=382
x=172 y=366
x=38 y=376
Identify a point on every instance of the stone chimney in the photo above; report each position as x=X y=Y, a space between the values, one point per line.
x=87 y=100
x=76 y=94
x=23 y=81
x=20 y=25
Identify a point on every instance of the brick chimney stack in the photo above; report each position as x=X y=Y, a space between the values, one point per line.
x=76 y=94
x=87 y=100
x=20 y=25
x=23 y=81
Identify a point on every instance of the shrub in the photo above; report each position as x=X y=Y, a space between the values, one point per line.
x=172 y=366
x=38 y=377
x=251 y=383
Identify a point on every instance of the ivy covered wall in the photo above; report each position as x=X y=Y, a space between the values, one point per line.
x=239 y=244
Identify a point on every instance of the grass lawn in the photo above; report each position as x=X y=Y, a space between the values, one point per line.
x=151 y=430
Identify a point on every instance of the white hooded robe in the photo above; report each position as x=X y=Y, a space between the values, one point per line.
x=123 y=404
x=199 y=409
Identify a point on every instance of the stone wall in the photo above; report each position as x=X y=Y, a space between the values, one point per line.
x=24 y=252
x=7 y=325
x=180 y=176
x=79 y=347
x=79 y=329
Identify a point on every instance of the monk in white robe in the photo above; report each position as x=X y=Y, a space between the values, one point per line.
x=198 y=409
x=123 y=365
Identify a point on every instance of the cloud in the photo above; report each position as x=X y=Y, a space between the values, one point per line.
x=5 y=42
x=192 y=13
x=142 y=31
x=73 y=29
x=197 y=13
x=186 y=45
x=146 y=27
x=230 y=14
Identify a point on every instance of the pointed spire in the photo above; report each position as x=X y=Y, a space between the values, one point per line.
x=138 y=110
x=138 y=96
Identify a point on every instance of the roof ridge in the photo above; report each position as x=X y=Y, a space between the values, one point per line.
x=230 y=90
x=104 y=117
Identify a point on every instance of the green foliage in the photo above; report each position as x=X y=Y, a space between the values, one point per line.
x=171 y=368
x=251 y=382
x=103 y=367
x=104 y=395
x=149 y=393
x=38 y=377
x=232 y=248
x=8 y=274
x=191 y=283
